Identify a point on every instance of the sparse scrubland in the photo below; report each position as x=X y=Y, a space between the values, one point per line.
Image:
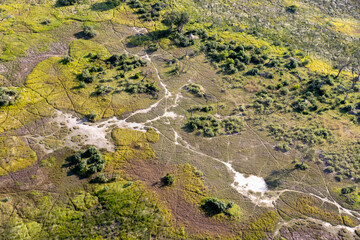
x=188 y=119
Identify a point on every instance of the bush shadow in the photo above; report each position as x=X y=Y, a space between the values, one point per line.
x=102 y=6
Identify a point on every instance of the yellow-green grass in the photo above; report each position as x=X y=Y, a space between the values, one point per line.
x=15 y=155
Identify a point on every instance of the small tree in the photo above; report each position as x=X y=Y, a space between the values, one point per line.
x=91 y=116
x=301 y=165
x=89 y=31
x=168 y=179
x=176 y=19
x=213 y=206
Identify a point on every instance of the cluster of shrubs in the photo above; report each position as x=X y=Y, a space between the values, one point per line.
x=147 y=12
x=68 y=2
x=142 y=86
x=86 y=76
x=88 y=162
x=182 y=40
x=234 y=57
x=307 y=97
x=114 y=3
x=283 y=147
x=214 y=206
x=211 y=126
x=122 y=62
x=102 y=178
x=67 y=59
x=315 y=90
x=8 y=96
x=195 y=89
x=125 y=63
x=301 y=165
x=310 y=135
x=345 y=162
x=206 y=109
x=347 y=190
x=103 y=89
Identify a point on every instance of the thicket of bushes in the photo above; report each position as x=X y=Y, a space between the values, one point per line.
x=344 y=161
x=8 y=96
x=194 y=89
x=310 y=135
x=213 y=206
x=210 y=126
x=68 y=2
x=88 y=162
x=147 y=12
x=123 y=63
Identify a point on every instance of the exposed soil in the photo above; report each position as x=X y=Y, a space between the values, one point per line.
x=183 y=213
x=304 y=230
x=17 y=70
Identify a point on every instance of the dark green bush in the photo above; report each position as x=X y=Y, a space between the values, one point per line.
x=213 y=206
x=89 y=31
x=168 y=179
x=347 y=190
x=115 y=3
x=292 y=8
x=67 y=59
x=301 y=166
x=181 y=40
x=8 y=96
x=88 y=162
x=68 y=2
x=253 y=71
x=292 y=64
x=86 y=76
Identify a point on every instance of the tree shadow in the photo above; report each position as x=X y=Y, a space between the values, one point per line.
x=274 y=180
x=102 y=6
x=82 y=35
x=71 y=166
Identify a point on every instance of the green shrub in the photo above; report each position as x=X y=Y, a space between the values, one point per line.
x=86 y=76
x=181 y=40
x=301 y=165
x=213 y=206
x=253 y=72
x=347 y=190
x=292 y=8
x=194 y=89
x=89 y=31
x=67 y=59
x=284 y=147
x=8 y=96
x=115 y=3
x=292 y=64
x=91 y=116
x=168 y=179
x=88 y=162
x=68 y=2
x=103 y=90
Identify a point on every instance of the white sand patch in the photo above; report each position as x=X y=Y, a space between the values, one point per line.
x=93 y=133
x=253 y=187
